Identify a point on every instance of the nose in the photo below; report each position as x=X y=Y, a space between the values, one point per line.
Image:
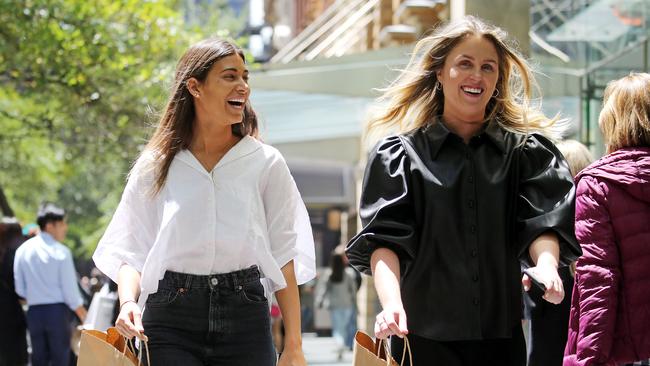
x=243 y=87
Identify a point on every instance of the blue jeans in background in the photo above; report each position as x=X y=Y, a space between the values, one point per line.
x=341 y=318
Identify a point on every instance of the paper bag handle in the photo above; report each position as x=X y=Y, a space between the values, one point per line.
x=382 y=343
x=131 y=346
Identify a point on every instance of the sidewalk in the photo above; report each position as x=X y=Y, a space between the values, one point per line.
x=323 y=351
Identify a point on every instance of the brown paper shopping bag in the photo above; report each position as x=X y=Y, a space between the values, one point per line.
x=375 y=353
x=106 y=349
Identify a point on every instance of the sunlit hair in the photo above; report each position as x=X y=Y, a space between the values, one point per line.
x=625 y=118
x=577 y=155
x=412 y=100
x=176 y=126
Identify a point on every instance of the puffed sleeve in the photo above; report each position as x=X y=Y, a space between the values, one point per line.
x=386 y=207
x=545 y=198
x=134 y=226
x=598 y=275
x=287 y=221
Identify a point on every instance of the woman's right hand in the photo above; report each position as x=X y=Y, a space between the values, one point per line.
x=129 y=321
x=391 y=321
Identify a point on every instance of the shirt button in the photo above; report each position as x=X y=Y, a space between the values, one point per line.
x=214 y=281
x=472 y=229
x=474 y=253
x=475 y=301
x=471 y=203
x=468 y=155
x=475 y=278
x=471 y=179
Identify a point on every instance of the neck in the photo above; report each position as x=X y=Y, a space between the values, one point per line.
x=462 y=128
x=212 y=137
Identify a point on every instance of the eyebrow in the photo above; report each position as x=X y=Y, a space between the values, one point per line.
x=472 y=58
x=233 y=69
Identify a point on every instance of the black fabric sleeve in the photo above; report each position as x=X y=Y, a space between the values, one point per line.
x=386 y=207
x=546 y=199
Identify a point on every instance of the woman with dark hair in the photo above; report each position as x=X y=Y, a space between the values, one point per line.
x=336 y=291
x=209 y=225
x=13 y=340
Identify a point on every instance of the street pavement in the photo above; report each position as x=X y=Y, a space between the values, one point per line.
x=323 y=351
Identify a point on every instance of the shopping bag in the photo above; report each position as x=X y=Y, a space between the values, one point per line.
x=106 y=349
x=367 y=352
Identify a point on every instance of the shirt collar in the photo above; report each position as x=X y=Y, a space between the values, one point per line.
x=437 y=133
x=47 y=238
x=247 y=145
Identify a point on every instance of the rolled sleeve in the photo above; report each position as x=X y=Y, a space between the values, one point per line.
x=386 y=207
x=287 y=220
x=133 y=228
x=545 y=199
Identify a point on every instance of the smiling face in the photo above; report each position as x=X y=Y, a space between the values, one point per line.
x=224 y=92
x=468 y=79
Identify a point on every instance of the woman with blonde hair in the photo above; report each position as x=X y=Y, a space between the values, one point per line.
x=610 y=312
x=209 y=225
x=467 y=190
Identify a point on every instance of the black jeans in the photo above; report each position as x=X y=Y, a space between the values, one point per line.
x=220 y=319
x=489 y=352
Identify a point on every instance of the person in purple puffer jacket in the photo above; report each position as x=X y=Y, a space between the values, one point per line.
x=610 y=311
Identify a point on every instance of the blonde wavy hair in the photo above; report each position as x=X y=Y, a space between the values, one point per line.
x=625 y=117
x=412 y=100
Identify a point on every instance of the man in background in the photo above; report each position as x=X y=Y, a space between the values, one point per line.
x=45 y=277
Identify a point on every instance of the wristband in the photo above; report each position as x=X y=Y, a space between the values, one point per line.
x=127 y=301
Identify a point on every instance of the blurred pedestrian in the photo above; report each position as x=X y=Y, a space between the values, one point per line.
x=471 y=188
x=45 y=277
x=13 y=327
x=548 y=323
x=336 y=291
x=209 y=219
x=610 y=310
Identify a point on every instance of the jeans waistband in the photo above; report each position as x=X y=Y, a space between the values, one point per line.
x=219 y=280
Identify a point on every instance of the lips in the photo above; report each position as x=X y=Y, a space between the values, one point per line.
x=237 y=103
x=475 y=91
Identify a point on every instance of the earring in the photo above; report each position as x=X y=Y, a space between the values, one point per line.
x=496 y=93
x=438 y=86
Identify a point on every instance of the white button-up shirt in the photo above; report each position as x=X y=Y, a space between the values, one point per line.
x=246 y=211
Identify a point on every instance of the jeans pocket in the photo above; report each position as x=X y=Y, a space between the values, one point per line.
x=253 y=292
x=162 y=297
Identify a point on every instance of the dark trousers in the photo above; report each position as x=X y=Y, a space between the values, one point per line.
x=218 y=319
x=489 y=352
x=49 y=331
x=548 y=324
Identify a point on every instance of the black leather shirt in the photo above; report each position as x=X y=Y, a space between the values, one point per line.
x=461 y=217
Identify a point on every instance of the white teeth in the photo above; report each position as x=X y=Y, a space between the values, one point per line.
x=472 y=90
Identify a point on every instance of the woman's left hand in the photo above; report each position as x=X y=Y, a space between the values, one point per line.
x=549 y=276
x=292 y=357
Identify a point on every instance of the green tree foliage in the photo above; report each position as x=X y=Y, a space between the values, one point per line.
x=79 y=83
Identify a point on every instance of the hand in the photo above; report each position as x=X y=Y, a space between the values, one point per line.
x=129 y=321
x=292 y=357
x=548 y=275
x=391 y=321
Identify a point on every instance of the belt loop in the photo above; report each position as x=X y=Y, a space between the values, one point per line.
x=235 y=282
x=188 y=281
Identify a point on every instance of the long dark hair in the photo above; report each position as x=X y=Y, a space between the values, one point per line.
x=174 y=132
x=10 y=236
x=337 y=266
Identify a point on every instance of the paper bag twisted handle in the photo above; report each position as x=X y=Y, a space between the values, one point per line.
x=407 y=346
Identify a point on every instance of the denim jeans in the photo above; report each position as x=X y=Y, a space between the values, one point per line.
x=220 y=319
